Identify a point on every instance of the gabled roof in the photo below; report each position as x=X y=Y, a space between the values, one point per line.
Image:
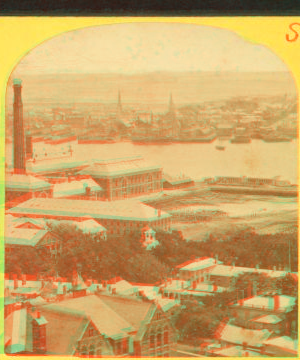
x=75 y=187
x=18 y=222
x=90 y=226
x=233 y=271
x=27 y=237
x=134 y=311
x=238 y=335
x=24 y=182
x=198 y=264
x=285 y=343
x=267 y=319
x=105 y=319
x=236 y=351
x=121 y=209
x=176 y=180
x=119 y=166
x=123 y=287
x=282 y=303
x=53 y=165
x=63 y=330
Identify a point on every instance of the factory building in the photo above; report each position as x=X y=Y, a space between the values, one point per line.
x=125 y=178
x=118 y=217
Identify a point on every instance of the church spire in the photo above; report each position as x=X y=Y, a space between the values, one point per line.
x=119 y=102
x=171 y=104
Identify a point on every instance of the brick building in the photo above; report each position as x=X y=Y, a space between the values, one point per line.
x=118 y=217
x=90 y=326
x=125 y=177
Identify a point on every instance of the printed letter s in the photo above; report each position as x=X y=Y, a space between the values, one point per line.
x=288 y=37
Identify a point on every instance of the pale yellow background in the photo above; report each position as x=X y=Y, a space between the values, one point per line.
x=18 y=35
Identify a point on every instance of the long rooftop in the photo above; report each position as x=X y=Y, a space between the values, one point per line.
x=119 y=166
x=122 y=209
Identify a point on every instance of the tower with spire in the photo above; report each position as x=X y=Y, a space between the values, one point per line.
x=119 y=107
x=172 y=115
x=171 y=104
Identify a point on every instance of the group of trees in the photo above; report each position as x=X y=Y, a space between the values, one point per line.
x=104 y=259
x=240 y=248
x=126 y=257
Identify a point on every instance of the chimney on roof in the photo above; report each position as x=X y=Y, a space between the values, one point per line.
x=18 y=130
x=23 y=279
x=276 y=302
x=15 y=281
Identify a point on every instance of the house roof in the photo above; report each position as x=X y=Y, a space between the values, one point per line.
x=17 y=222
x=90 y=226
x=27 y=237
x=238 y=335
x=197 y=264
x=59 y=164
x=118 y=167
x=209 y=288
x=15 y=330
x=167 y=304
x=284 y=342
x=285 y=303
x=24 y=182
x=134 y=311
x=123 y=287
x=175 y=180
x=75 y=187
x=236 y=351
x=267 y=319
x=121 y=209
x=105 y=319
x=64 y=329
x=233 y=271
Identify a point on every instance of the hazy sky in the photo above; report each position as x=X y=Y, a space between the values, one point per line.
x=147 y=47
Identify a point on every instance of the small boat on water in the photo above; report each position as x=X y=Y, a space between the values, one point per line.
x=220 y=145
x=239 y=139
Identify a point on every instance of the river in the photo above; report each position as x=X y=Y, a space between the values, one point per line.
x=198 y=160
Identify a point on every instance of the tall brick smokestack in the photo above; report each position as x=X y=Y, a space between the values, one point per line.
x=19 y=143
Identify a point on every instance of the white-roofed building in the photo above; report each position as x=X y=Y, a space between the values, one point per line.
x=282 y=346
x=16 y=238
x=78 y=188
x=24 y=222
x=265 y=312
x=127 y=177
x=197 y=270
x=21 y=187
x=234 y=351
x=222 y=275
x=270 y=322
x=118 y=217
x=92 y=227
x=229 y=334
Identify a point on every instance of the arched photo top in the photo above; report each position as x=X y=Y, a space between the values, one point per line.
x=158 y=50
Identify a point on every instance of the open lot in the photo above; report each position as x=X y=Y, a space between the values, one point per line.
x=266 y=214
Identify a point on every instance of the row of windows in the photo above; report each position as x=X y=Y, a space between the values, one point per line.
x=137 y=178
x=136 y=190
